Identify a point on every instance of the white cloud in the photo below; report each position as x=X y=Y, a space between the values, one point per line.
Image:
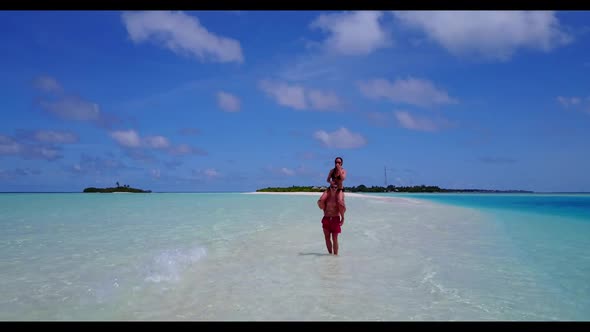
x=312 y=67
x=131 y=139
x=286 y=171
x=70 y=106
x=569 y=101
x=412 y=91
x=127 y=138
x=50 y=136
x=211 y=173
x=417 y=123
x=228 y=102
x=490 y=34
x=340 y=139
x=140 y=155
x=8 y=145
x=181 y=149
x=575 y=103
x=182 y=34
x=299 y=97
x=73 y=108
x=18 y=172
x=353 y=33
x=156 y=173
x=323 y=100
x=185 y=149
x=45 y=153
x=157 y=142
x=287 y=95
x=97 y=165
x=47 y=84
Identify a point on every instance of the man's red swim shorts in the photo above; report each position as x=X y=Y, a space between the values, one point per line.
x=331 y=224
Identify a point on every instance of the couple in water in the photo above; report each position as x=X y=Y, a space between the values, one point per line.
x=332 y=202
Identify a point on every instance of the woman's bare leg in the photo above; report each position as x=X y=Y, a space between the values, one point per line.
x=341 y=204
x=322 y=200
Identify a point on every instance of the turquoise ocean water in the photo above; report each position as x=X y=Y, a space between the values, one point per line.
x=165 y=256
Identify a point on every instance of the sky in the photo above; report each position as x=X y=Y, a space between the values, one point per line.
x=233 y=101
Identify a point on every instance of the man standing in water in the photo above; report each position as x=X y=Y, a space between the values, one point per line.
x=337 y=175
x=333 y=217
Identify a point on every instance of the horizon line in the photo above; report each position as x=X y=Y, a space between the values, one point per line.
x=248 y=191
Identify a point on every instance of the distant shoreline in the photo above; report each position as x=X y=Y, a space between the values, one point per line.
x=391 y=189
x=248 y=192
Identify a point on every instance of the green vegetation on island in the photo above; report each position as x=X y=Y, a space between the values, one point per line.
x=293 y=189
x=118 y=189
x=390 y=188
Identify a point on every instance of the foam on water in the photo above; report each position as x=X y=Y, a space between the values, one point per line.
x=170 y=264
x=263 y=257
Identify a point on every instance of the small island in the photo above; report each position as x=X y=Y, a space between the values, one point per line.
x=118 y=189
x=390 y=188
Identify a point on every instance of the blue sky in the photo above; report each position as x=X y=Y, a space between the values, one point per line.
x=241 y=100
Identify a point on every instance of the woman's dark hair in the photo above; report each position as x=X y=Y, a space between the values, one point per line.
x=342 y=160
